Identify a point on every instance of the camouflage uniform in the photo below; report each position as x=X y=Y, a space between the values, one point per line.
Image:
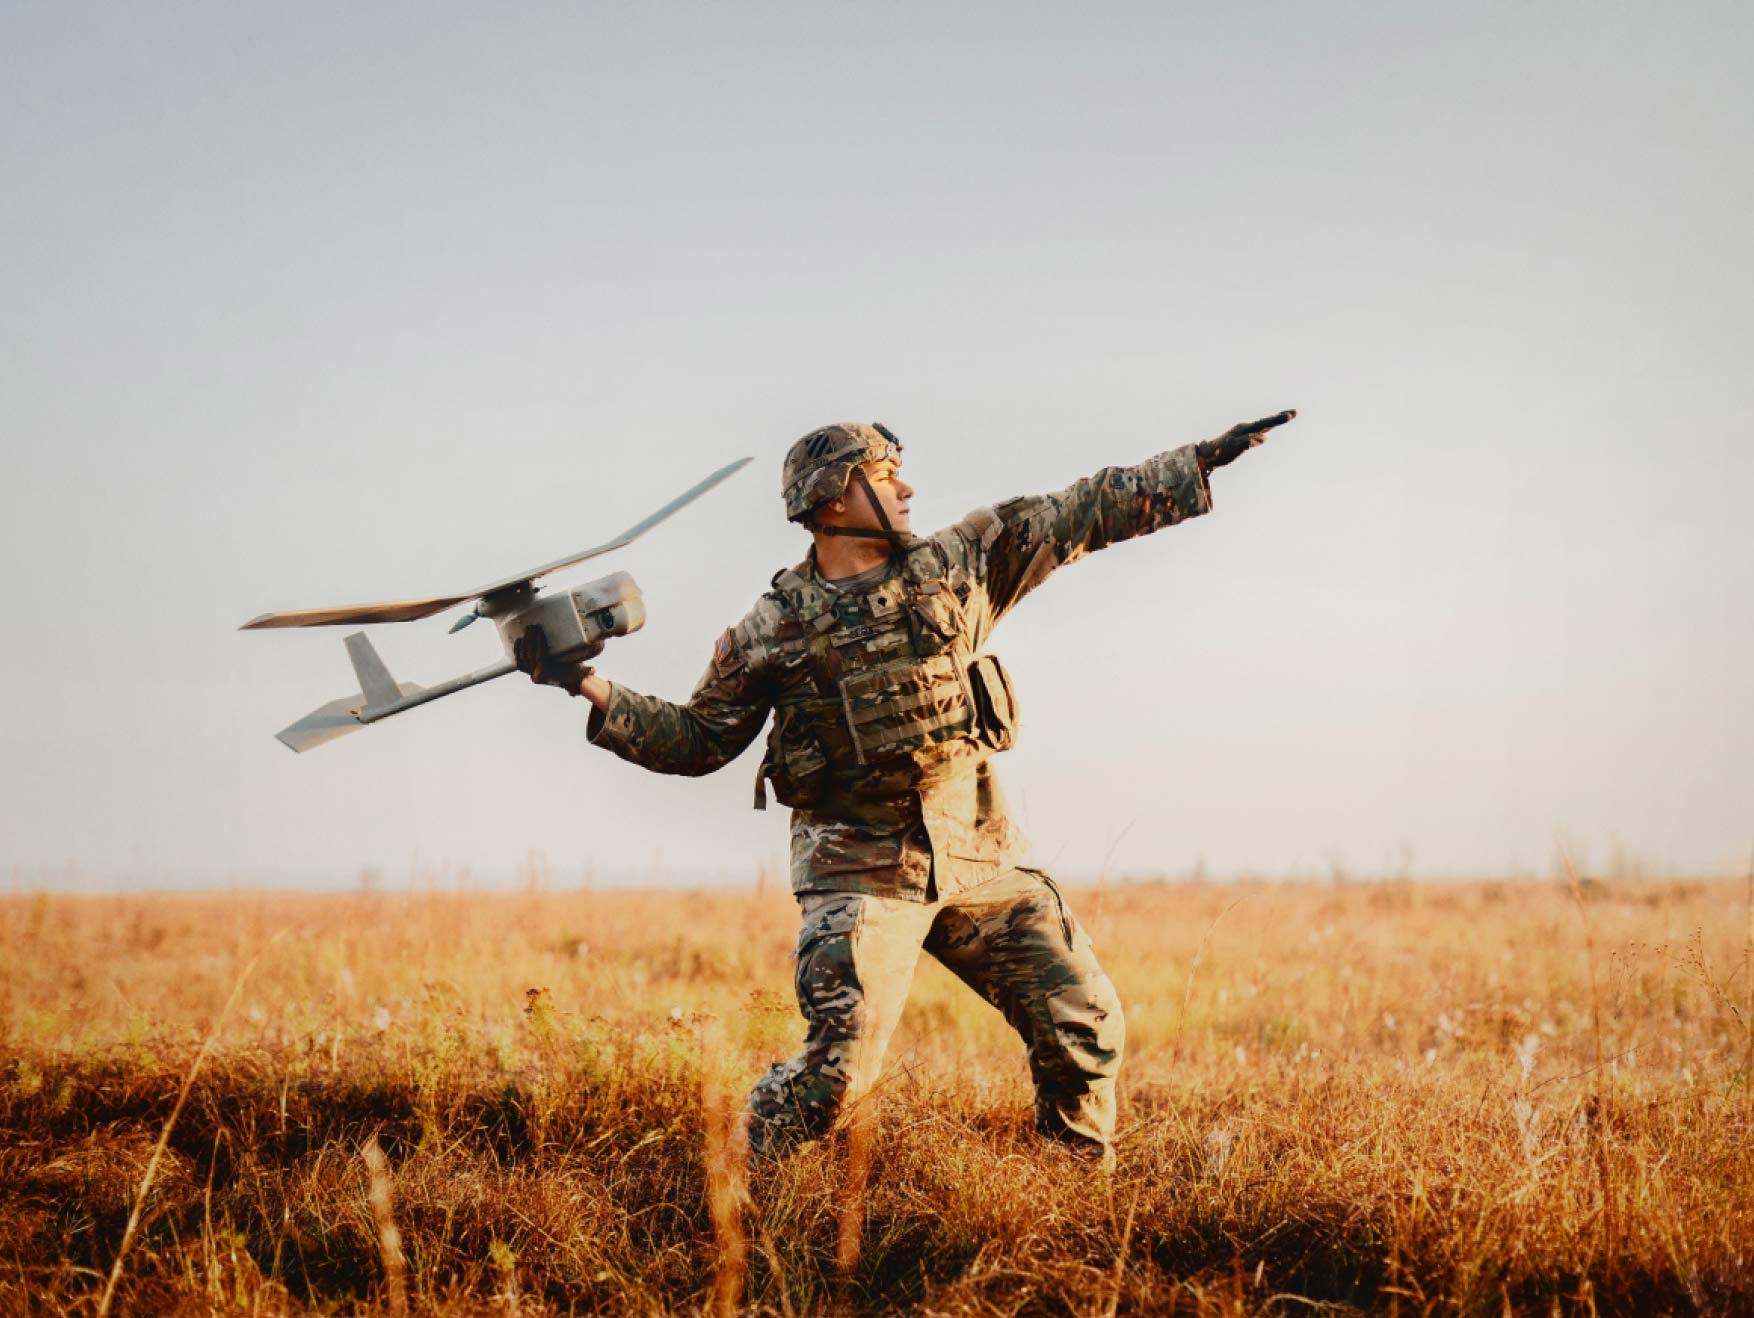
x=887 y=711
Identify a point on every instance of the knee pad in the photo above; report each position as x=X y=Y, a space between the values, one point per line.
x=1089 y=1028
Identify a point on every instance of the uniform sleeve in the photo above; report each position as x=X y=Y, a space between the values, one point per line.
x=1024 y=541
x=726 y=711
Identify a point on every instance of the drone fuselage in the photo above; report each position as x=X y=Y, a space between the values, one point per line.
x=577 y=622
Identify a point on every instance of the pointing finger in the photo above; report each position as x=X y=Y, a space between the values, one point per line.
x=1269 y=422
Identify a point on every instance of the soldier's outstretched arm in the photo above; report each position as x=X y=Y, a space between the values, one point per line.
x=726 y=711
x=1022 y=542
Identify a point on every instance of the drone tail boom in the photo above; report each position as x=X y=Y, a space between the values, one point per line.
x=380 y=696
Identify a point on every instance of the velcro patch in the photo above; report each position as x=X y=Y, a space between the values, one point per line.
x=724 y=650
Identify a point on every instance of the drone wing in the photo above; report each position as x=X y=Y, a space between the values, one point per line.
x=389 y=611
x=410 y=610
x=627 y=537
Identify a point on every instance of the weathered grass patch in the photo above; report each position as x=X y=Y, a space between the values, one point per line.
x=1364 y=1097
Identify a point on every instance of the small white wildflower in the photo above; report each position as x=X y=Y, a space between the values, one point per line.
x=1526 y=1052
x=1430 y=1056
x=1218 y=1142
x=381 y=1019
x=675 y=1013
x=1528 y=1125
x=582 y=952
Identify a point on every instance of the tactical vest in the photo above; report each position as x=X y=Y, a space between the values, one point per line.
x=868 y=680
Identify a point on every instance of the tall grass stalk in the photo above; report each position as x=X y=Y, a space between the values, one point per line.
x=164 y=1134
x=1175 y=1051
x=1599 y=1117
x=727 y=1156
x=861 y=1132
x=1120 y=1272
x=1748 y=1020
x=384 y=1219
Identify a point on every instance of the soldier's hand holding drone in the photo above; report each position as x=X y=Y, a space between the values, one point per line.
x=530 y=653
x=1239 y=439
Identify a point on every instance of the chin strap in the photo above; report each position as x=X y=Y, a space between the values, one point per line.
x=888 y=533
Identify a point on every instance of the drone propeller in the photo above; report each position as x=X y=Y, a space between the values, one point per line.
x=411 y=609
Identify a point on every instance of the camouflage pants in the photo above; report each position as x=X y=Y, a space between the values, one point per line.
x=1012 y=940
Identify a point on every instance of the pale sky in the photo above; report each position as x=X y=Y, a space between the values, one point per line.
x=309 y=304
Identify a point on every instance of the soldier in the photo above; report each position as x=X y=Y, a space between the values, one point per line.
x=871 y=654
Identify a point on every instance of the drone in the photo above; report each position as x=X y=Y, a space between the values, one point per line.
x=577 y=624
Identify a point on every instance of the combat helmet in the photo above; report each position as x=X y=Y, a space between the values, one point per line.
x=819 y=466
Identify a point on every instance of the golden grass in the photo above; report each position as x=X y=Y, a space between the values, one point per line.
x=1376 y=1098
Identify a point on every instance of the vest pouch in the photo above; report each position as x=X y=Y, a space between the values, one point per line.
x=937 y=620
x=900 y=707
x=794 y=763
x=995 y=705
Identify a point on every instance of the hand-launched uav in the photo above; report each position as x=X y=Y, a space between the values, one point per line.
x=577 y=624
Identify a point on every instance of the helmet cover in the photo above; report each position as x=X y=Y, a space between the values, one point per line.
x=818 y=466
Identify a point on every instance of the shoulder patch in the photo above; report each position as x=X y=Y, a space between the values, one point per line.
x=724 y=651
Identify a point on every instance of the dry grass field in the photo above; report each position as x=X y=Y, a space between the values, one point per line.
x=1402 y=1098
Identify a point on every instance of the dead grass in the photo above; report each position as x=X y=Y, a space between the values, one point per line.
x=1366 y=1097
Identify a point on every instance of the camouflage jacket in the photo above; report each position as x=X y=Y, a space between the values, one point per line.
x=886 y=707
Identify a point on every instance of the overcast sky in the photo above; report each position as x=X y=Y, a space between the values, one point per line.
x=307 y=304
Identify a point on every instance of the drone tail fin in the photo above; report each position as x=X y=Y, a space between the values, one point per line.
x=379 y=695
x=379 y=688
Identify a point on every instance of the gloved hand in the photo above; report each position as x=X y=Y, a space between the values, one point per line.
x=1239 y=439
x=530 y=654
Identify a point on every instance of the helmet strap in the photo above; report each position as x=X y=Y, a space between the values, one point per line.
x=857 y=532
x=888 y=532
